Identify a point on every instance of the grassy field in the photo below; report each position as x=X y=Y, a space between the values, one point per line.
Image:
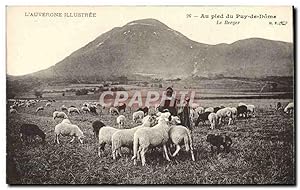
x=262 y=152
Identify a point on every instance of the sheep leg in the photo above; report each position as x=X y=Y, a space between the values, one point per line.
x=101 y=148
x=119 y=152
x=230 y=121
x=176 y=151
x=57 y=140
x=139 y=154
x=220 y=121
x=99 y=151
x=192 y=153
x=166 y=152
x=143 y=151
x=169 y=149
x=80 y=140
x=72 y=139
x=114 y=154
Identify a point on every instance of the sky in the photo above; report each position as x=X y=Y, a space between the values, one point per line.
x=36 y=43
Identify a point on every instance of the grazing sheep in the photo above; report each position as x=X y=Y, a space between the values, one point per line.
x=105 y=135
x=31 y=130
x=85 y=104
x=289 y=108
x=175 y=120
x=200 y=110
x=146 y=118
x=193 y=115
x=13 y=107
x=216 y=109
x=48 y=104
x=250 y=110
x=179 y=134
x=93 y=109
x=121 y=121
x=218 y=140
x=223 y=113
x=66 y=121
x=124 y=138
x=85 y=109
x=39 y=109
x=242 y=104
x=73 y=110
x=97 y=125
x=278 y=106
x=213 y=118
x=151 y=137
x=194 y=106
x=58 y=114
x=65 y=128
x=209 y=109
x=234 y=113
x=121 y=106
x=202 y=117
x=137 y=116
x=241 y=110
x=145 y=110
x=13 y=111
x=113 y=111
x=63 y=108
x=99 y=105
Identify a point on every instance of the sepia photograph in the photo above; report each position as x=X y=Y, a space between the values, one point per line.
x=150 y=95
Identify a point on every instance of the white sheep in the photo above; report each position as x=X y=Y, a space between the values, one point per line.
x=13 y=107
x=242 y=104
x=39 y=109
x=73 y=110
x=12 y=111
x=63 y=108
x=179 y=134
x=209 y=109
x=124 y=138
x=65 y=128
x=137 y=116
x=175 y=120
x=105 y=134
x=48 y=104
x=145 y=119
x=66 y=121
x=121 y=121
x=223 y=113
x=289 y=108
x=251 y=109
x=234 y=113
x=193 y=115
x=199 y=110
x=213 y=118
x=85 y=109
x=85 y=104
x=152 y=110
x=113 y=111
x=58 y=114
x=151 y=137
x=194 y=106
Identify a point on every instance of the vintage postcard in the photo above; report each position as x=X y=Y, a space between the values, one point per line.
x=150 y=95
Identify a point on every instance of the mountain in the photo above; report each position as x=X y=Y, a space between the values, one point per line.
x=150 y=48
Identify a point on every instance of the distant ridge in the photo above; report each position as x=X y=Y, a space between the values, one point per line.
x=151 y=47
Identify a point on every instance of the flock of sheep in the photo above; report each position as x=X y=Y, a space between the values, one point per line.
x=154 y=128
